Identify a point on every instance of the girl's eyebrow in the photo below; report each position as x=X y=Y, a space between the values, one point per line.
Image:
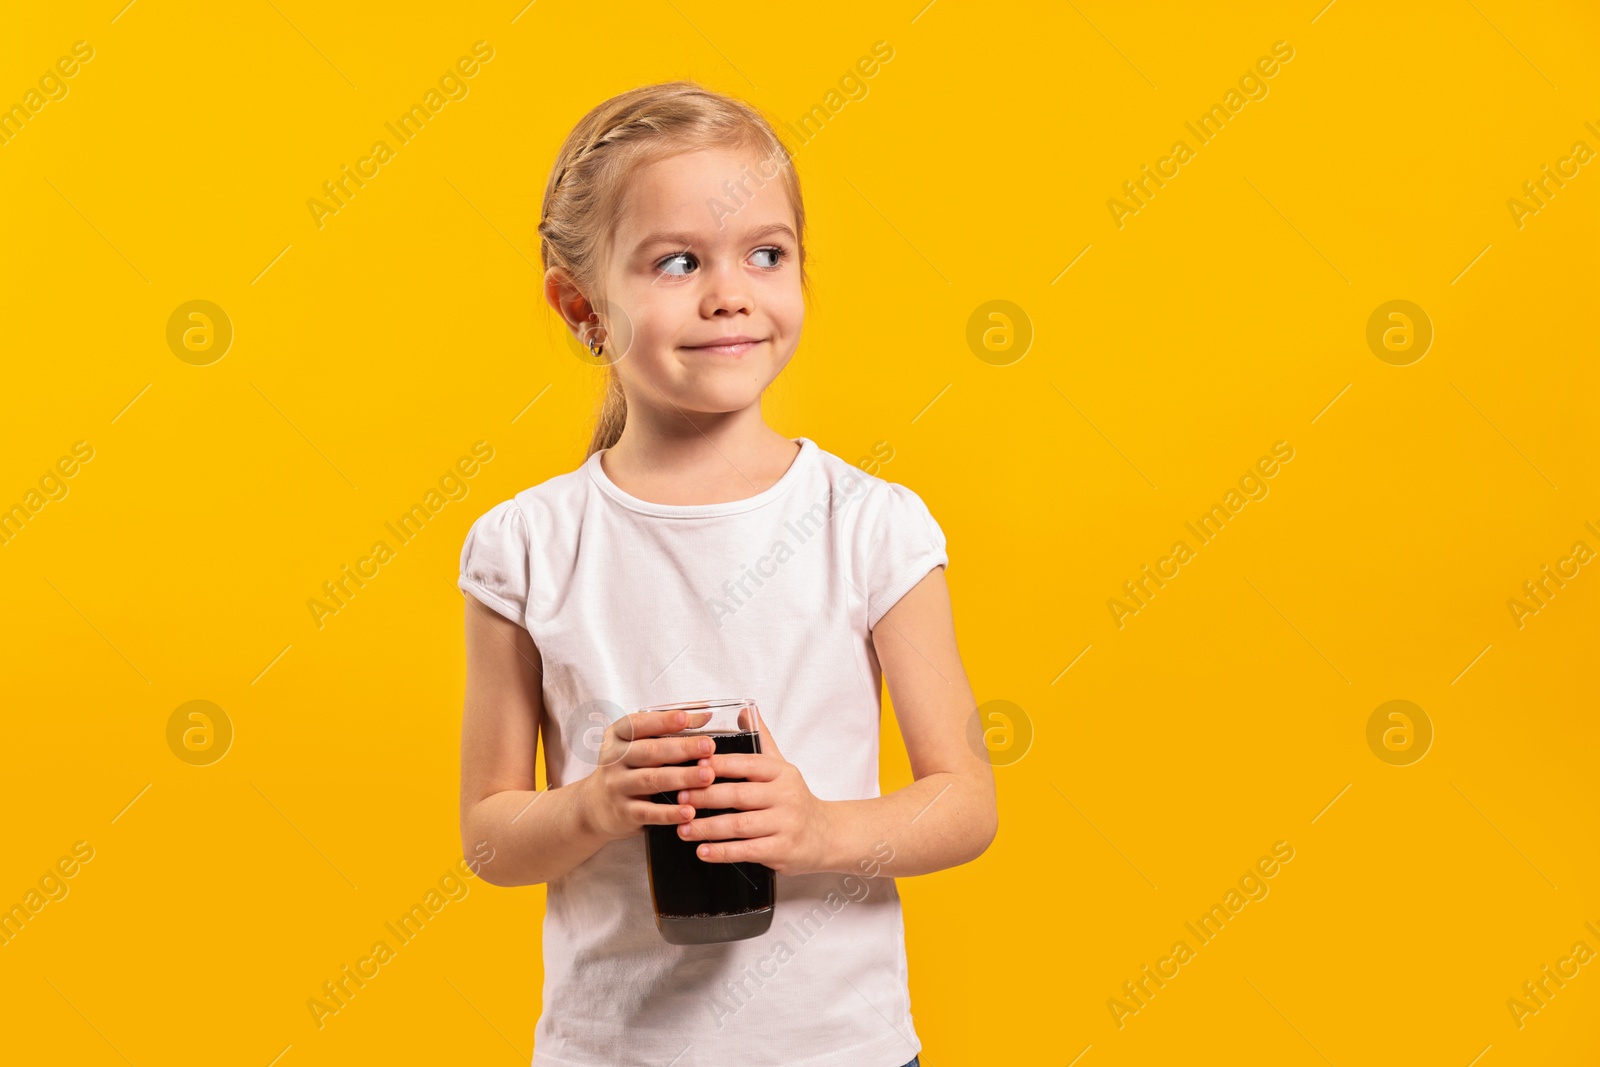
x=686 y=240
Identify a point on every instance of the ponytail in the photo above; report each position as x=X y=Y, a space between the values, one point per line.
x=612 y=416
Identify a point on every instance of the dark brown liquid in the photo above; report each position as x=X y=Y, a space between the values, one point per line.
x=683 y=885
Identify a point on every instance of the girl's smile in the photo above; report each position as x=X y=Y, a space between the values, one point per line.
x=726 y=346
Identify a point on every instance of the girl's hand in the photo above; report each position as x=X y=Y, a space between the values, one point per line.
x=634 y=763
x=779 y=822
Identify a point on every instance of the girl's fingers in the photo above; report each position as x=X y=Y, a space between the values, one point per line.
x=736 y=824
x=734 y=851
x=642 y=724
x=655 y=751
x=645 y=813
x=741 y=795
x=649 y=780
x=755 y=768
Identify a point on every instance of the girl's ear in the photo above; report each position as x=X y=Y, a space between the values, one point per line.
x=563 y=295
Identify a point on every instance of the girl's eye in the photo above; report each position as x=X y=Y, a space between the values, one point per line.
x=680 y=264
x=665 y=266
x=775 y=252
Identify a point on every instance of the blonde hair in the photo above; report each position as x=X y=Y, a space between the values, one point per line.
x=590 y=176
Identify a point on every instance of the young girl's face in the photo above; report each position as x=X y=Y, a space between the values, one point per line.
x=694 y=267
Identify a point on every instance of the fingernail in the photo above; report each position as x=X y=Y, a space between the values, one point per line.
x=687 y=812
x=704 y=850
x=705 y=774
x=705 y=746
x=683 y=796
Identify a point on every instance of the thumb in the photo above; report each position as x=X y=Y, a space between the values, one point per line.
x=769 y=747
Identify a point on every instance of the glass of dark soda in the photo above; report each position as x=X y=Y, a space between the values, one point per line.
x=698 y=902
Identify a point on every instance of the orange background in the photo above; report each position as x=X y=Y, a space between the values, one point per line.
x=1229 y=313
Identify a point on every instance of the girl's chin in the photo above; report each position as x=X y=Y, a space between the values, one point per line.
x=713 y=402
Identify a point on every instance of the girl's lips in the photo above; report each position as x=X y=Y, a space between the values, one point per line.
x=724 y=350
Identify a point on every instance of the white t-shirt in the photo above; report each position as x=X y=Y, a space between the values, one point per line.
x=773 y=597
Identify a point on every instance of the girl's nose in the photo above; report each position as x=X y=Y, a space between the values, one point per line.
x=726 y=290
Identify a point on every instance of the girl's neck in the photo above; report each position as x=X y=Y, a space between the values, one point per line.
x=678 y=458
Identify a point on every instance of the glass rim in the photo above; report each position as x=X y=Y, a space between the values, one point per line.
x=708 y=704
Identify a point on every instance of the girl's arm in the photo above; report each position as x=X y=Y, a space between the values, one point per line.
x=948 y=816
x=534 y=836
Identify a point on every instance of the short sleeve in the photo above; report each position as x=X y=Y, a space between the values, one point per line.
x=898 y=543
x=494 y=561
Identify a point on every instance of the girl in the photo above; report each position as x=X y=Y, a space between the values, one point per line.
x=697 y=552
